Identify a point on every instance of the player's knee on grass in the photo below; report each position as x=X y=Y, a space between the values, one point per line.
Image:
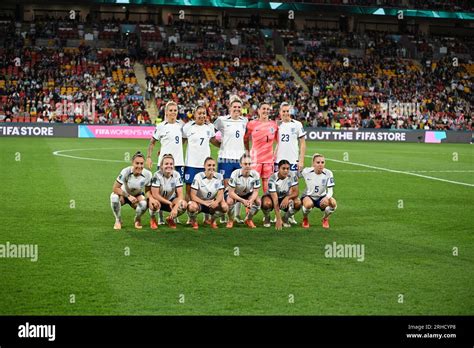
x=308 y=203
x=332 y=203
x=257 y=202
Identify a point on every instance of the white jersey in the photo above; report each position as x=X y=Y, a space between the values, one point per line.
x=198 y=143
x=289 y=134
x=134 y=185
x=233 y=132
x=166 y=185
x=170 y=136
x=244 y=185
x=317 y=184
x=282 y=186
x=207 y=189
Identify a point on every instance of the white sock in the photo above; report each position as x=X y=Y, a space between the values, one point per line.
x=218 y=214
x=230 y=213
x=306 y=211
x=253 y=210
x=116 y=206
x=291 y=208
x=140 y=209
x=154 y=212
x=237 y=209
x=328 y=211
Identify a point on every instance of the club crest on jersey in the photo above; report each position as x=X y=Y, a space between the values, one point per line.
x=216 y=185
x=272 y=130
x=324 y=182
x=208 y=133
x=173 y=185
x=187 y=176
x=142 y=183
x=293 y=130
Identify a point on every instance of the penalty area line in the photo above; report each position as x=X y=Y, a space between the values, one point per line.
x=399 y=172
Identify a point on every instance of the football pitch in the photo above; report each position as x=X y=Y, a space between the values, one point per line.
x=406 y=208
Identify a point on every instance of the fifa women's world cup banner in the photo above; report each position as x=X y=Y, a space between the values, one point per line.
x=316 y=134
x=134 y=132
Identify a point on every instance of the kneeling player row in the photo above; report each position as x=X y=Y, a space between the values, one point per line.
x=163 y=191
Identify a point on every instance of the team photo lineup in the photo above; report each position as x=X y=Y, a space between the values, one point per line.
x=219 y=187
x=171 y=159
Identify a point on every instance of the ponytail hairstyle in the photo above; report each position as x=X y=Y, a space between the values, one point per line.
x=165 y=156
x=138 y=154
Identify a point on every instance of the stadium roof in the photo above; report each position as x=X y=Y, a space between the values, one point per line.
x=286 y=6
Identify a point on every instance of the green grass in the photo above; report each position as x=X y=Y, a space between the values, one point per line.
x=407 y=251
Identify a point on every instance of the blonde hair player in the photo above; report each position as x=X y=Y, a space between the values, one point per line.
x=170 y=135
x=232 y=128
x=207 y=194
x=131 y=187
x=167 y=188
x=243 y=187
x=319 y=190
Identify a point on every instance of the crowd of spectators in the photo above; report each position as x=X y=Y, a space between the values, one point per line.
x=414 y=95
x=79 y=85
x=378 y=88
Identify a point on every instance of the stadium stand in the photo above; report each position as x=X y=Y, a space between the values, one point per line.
x=194 y=63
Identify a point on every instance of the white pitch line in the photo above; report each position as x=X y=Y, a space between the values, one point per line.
x=399 y=172
x=440 y=171
x=60 y=153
